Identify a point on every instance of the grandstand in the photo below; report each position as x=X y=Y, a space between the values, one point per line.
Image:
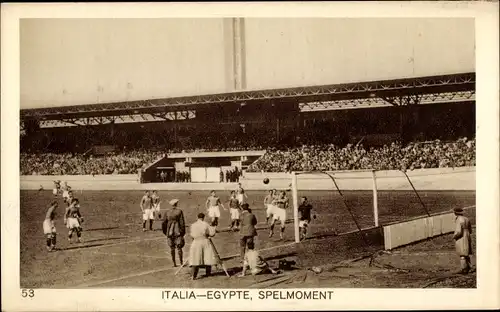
x=391 y=111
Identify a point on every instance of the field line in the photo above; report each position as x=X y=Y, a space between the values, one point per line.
x=128 y=254
x=122 y=243
x=164 y=269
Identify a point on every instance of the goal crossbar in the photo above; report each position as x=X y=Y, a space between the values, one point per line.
x=335 y=177
x=346 y=205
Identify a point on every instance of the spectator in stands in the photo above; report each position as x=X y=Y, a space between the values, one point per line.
x=434 y=154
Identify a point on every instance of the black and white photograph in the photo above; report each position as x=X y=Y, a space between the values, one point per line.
x=264 y=159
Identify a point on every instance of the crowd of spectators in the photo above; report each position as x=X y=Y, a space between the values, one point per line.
x=123 y=162
x=434 y=154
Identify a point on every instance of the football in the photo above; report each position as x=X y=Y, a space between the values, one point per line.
x=266 y=181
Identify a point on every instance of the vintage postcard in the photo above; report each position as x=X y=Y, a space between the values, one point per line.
x=250 y=156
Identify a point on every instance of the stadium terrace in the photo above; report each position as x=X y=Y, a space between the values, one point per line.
x=365 y=125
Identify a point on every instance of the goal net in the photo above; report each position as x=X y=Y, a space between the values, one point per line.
x=349 y=201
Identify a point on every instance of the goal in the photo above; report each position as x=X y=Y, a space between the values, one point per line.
x=346 y=201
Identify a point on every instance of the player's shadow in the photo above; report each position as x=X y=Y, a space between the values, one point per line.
x=102 y=229
x=82 y=247
x=231 y=271
x=323 y=235
x=279 y=257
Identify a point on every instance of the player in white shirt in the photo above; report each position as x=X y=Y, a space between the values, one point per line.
x=282 y=203
x=65 y=191
x=240 y=194
x=212 y=205
x=49 y=228
x=268 y=205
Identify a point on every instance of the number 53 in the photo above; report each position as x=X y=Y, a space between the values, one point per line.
x=28 y=293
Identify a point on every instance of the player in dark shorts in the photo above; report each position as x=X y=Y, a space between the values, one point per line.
x=305 y=217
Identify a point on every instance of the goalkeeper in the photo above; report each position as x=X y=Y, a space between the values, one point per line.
x=305 y=217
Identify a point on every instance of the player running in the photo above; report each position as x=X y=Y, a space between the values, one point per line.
x=212 y=205
x=73 y=220
x=155 y=199
x=305 y=217
x=49 y=228
x=147 y=212
x=268 y=205
x=240 y=194
x=279 y=214
x=234 y=210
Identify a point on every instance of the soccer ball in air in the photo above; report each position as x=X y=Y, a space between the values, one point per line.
x=266 y=181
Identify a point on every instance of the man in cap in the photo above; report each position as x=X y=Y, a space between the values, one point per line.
x=462 y=237
x=174 y=228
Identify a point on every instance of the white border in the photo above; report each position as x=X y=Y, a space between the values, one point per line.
x=486 y=14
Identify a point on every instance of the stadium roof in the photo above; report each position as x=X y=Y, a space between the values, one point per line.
x=386 y=89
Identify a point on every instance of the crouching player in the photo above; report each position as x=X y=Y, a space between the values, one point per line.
x=49 y=228
x=73 y=220
x=254 y=262
x=305 y=217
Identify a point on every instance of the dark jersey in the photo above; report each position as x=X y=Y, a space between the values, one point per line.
x=73 y=212
x=305 y=212
x=155 y=199
x=234 y=203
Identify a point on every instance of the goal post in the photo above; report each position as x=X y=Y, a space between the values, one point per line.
x=333 y=186
x=356 y=200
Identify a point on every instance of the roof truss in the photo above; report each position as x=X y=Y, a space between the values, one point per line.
x=395 y=92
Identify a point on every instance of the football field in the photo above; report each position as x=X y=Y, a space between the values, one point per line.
x=115 y=252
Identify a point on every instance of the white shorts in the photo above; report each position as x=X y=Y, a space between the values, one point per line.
x=235 y=213
x=279 y=214
x=303 y=223
x=72 y=223
x=54 y=191
x=270 y=210
x=239 y=197
x=214 y=212
x=49 y=227
x=147 y=214
x=65 y=194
